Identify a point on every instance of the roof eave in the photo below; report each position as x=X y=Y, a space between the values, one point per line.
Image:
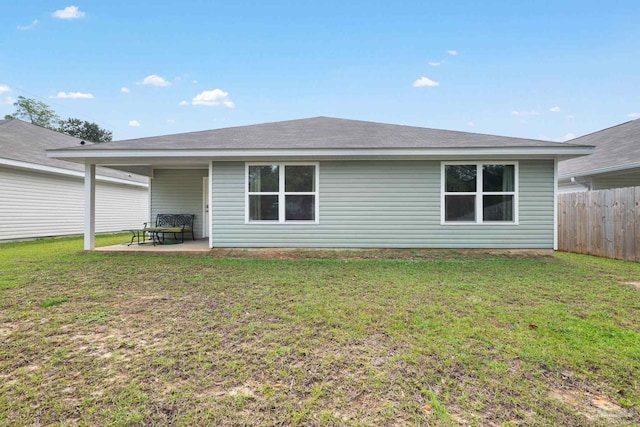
x=599 y=171
x=16 y=164
x=563 y=152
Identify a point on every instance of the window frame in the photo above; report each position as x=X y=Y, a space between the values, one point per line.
x=281 y=193
x=479 y=193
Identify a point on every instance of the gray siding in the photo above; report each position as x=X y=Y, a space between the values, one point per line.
x=629 y=178
x=178 y=191
x=617 y=180
x=383 y=204
x=35 y=204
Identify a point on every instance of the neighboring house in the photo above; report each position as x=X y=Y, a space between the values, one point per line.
x=40 y=196
x=615 y=163
x=325 y=182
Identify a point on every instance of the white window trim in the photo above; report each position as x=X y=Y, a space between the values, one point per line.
x=479 y=193
x=281 y=193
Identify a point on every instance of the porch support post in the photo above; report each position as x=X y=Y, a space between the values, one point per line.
x=555 y=204
x=209 y=218
x=89 y=206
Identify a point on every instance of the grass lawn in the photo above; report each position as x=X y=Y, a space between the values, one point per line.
x=322 y=338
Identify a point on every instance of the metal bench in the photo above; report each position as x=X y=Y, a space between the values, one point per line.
x=171 y=224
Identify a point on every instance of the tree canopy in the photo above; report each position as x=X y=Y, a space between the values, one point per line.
x=39 y=113
x=85 y=130
x=36 y=112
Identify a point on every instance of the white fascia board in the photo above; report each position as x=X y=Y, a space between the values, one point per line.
x=67 y=172
x=549 y=152
x=616 y=168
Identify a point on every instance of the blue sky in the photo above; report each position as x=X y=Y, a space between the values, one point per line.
x=544 y=69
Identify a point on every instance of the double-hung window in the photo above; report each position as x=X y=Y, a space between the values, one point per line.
x=282 y=192
x=479 y=193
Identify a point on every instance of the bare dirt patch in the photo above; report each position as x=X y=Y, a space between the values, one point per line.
x=592 y=406
x=635 y=284
x=350 y=253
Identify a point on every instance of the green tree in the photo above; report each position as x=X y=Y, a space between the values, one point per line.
x=36 y=112
x=41 y=114
x=85 y=130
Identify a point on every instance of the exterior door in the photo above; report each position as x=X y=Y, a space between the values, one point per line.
x=205 y=208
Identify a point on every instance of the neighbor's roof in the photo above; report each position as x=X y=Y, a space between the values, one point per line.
x=27 y=143
x=617 y=148
x=319 y=133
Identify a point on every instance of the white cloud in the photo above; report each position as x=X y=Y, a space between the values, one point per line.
x=524 y=113
x=134 y=123
x=7 y=100
x=213 y=98
x=154 y=80
x=425 y=82
x=125 y=89
x=470 y=124
x=183 y=103
x=28 y=27
x=452 y=52
x=195 y=82
x=73 y=95
x=555 y=109
x=568 y=136
x=435 y=64
x=69 y=12
x=634 y=115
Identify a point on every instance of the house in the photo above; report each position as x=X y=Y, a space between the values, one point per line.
x=615 y=163
x=327 y=182
x=41 y=196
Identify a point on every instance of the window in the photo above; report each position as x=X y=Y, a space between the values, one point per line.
x=282 y=192
x=479 y=193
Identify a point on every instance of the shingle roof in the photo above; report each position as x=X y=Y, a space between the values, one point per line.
x=615 y=147
x=319 y=132
x=26 y=142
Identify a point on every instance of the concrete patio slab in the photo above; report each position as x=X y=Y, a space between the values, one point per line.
x=201 y=245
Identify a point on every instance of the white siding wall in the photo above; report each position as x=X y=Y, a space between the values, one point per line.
x=119 y=207
x=383 y=204
x=34 y=204
x=178 y=191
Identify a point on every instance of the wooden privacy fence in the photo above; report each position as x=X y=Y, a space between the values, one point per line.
x=603 y=223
